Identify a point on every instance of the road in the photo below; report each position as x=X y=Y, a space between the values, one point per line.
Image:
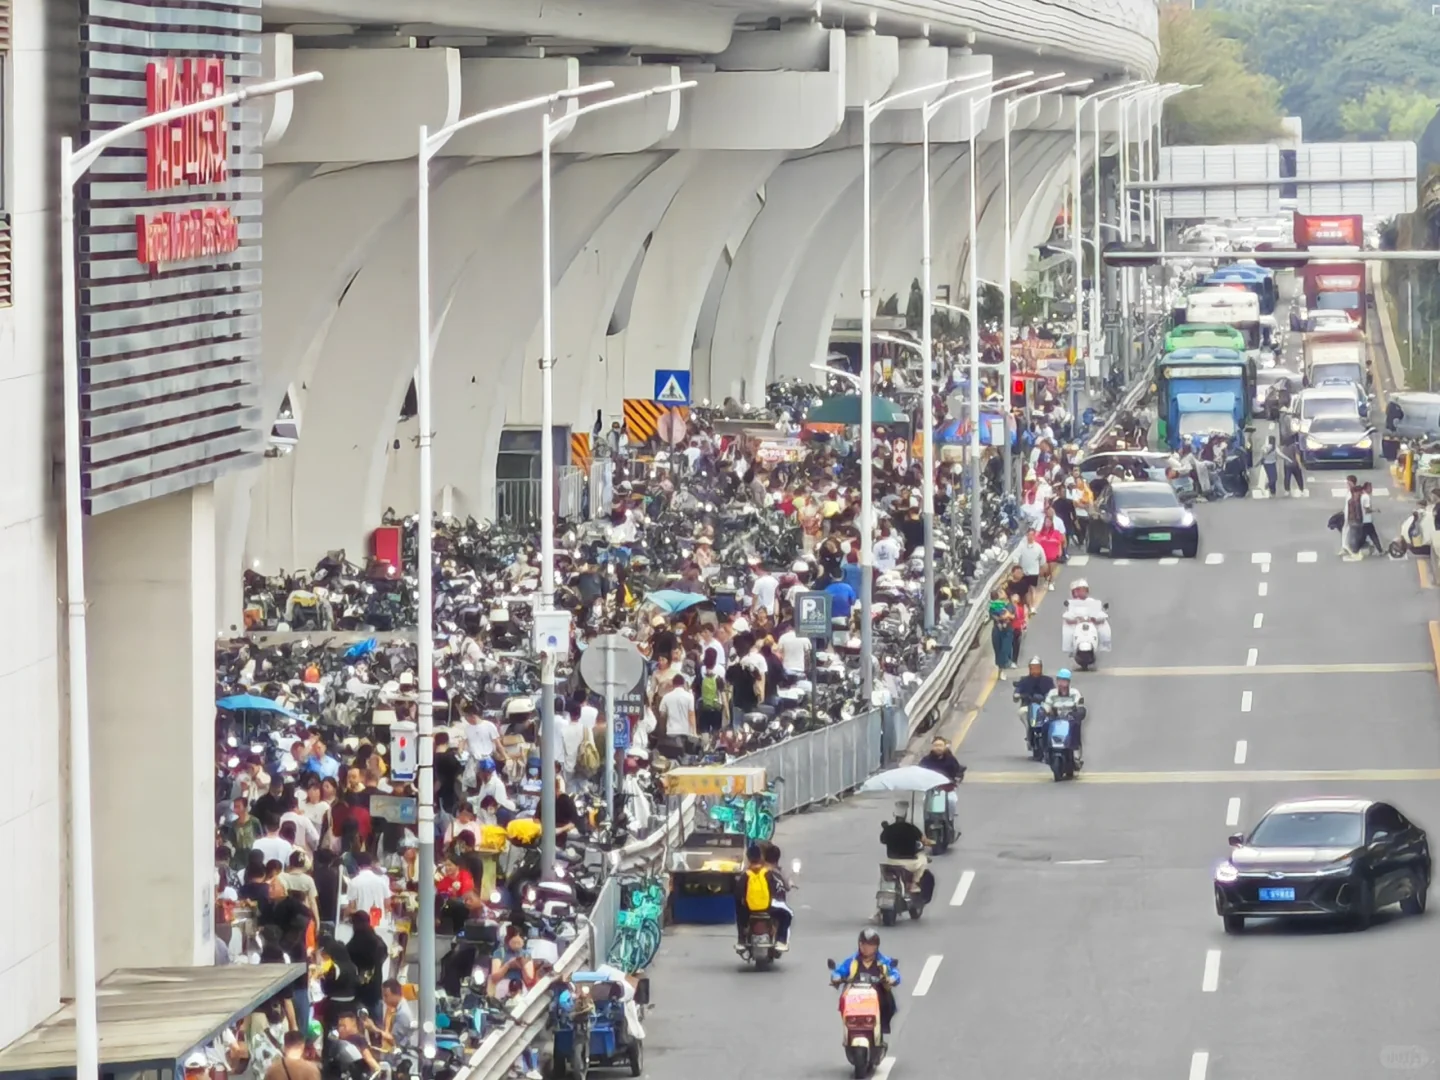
x=1074 y=923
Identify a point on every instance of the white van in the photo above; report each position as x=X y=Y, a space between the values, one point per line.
x=1324 y=401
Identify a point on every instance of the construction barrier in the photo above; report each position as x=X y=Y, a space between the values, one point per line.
x=642 y=418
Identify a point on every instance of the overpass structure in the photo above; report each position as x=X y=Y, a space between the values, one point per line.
x=715 y=231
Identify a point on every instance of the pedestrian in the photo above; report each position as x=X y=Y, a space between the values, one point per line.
x=1290 y=459
x=1368 y=535
x=1002 y=630
x=1350 y=523
x=1031 y=560
x=1269 y=461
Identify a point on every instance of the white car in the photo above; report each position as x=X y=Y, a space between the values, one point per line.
x=1346 y=400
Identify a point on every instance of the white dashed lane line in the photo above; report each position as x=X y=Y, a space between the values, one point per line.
x=1258 y=621
x=1232 y=812
x=882 y=1071
x=1306 y=556
x=1264 y=589
x=1199 y=1065
x=1247 y=699
x=1259 y=557
x=1215 y=558
x=962 y=888
x=1242 y=750
x=927 y=976
x=1210 y=981
x=1251 y=657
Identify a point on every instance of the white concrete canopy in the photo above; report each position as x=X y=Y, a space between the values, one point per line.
x=492 y=81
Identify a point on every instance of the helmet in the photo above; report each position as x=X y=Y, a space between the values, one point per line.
x=1035 y=661
x=1079 y=583
x=1063 y=673
x=869 y=937
x=902 y=810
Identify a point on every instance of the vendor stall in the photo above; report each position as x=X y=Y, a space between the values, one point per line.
x=702 y=872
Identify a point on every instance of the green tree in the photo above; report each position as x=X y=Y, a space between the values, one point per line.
x=1232 y=104
x=1387 y=112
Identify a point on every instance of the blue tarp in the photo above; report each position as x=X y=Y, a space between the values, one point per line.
x=253 y=703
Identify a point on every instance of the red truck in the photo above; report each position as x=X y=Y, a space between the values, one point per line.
x=1338 y=285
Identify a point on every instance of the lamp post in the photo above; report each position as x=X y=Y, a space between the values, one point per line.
x=1104 y=98
x=974 y=261
x=927 y=389
x=74 y=164
x=1007 y=275
x=549 y=132
x=869 y=111
x=430 y=144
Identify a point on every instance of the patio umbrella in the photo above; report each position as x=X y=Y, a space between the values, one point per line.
x=253 y=703
x=910 y=778
x=845 y=409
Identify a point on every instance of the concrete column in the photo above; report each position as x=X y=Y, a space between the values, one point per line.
x=151 y=575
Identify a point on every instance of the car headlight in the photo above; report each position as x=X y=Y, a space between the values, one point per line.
x=1363 y=444
x=1312 y=444
x=1187 y=519
x=1123 y=520
x=1339 y=868
x=1225 y=873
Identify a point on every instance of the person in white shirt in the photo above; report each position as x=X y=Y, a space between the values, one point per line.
x=482 y=735
x=307 y=833
x=274 y=846
x=369 y=891
x=886 y=551
x=794 y=651
x=677 y=708
x=492 y=785
x=568 y=734
x=1031 y=560
x=764 y=588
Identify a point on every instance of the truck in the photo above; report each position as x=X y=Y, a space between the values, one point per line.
x=1339 y=284
x=1200 y=392
x=1336 y=356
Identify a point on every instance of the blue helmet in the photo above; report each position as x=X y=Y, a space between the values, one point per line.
x=1063 y=673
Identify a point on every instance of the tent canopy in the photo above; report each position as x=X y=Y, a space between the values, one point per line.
x=845 y=409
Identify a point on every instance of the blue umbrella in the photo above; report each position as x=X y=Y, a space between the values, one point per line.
x=253 y=703
x=361 y=649
x=672 y=601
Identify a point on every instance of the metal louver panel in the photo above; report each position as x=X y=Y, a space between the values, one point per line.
x=7 y=296
x=5 y=26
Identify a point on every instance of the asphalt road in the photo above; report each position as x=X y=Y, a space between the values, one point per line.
x=1074 y=927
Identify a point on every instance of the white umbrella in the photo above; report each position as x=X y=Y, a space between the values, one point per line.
x=910 y=778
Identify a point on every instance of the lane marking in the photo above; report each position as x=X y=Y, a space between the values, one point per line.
x=1169 y=560
x=1423 y=566
x=1242 y=748
x=1252 y=657
x=1252 y=668
x=1264 y=589
x=962 y=888
x=1258 y=621
x=971 y=716
x=1435 y=645
x=882 y=1071
x=1260 y=557
x=1210 y=981
x=927 y=976
x=1247 y=699
x=1264 y=568
x=1229 y=776
x=1079 y=560
x=1232 y=811
x=1306 y=556
x=1121 y=562
x=1082 y=862
x=1215 y=558
x=1199 y=1064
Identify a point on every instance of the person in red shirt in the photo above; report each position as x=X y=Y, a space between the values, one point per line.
x=453 y=881
x=1051 y=537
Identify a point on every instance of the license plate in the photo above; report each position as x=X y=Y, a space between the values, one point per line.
x=1158 y=536
x=1277 y=894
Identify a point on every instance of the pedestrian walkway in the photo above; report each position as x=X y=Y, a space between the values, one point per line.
x=1212 y=558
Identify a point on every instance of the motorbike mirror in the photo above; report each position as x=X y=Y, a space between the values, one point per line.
x=1105 y=607
x=1237 y=839
x=830 y=965
x=794 y=866
x=1067 y=603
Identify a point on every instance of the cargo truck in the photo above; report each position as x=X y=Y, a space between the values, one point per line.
x=1337 y=285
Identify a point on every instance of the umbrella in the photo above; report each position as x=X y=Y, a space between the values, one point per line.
x=908 y=779
x=361 y=649
x=845 y=409
x=672 y=601
x=253 y=703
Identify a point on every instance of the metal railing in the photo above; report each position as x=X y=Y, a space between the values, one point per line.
x=604 y=919
x=822 y=764
x=517 y=502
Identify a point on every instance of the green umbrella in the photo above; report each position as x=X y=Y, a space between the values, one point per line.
x=845 y=409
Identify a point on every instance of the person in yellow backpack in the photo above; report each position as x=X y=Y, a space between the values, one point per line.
x=756 y=889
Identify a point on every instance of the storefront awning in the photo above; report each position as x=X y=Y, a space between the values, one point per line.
x=150 y=1018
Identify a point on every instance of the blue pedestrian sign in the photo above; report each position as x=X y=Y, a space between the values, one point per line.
x=622 y=733
x=672 y=387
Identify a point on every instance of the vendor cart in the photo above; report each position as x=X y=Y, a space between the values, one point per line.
x=702 y=872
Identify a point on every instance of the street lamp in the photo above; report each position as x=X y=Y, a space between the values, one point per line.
x=74 y=164
x=1103 y=98
x=927 y=389
x=431 y=144
x=974 y=261
x=869 y=111
x=549 y=131
x=1007 y=110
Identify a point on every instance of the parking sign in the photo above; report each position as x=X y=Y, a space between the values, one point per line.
x=812 y=615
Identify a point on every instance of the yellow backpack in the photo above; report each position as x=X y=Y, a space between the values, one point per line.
x=757 y=890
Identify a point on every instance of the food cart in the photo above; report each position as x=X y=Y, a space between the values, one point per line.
x=702 y=872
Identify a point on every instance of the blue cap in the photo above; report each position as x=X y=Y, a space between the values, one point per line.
x=1063 y=673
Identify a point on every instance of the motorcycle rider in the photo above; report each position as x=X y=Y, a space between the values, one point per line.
x=346 y=1054
x=941 y=760
x=905 y=846
x=779 y=901
x=1080 y=607
x=755 y=868
x=870 y=961
x=1031 y=689
x=1065 y=700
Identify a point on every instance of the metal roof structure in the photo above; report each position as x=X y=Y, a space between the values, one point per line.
x=150 y=1018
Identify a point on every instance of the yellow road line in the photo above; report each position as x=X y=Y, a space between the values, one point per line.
x=980 y=704
x=1423 y=567
x=1228 y=776
x=1435 y=645
x=1269 y=669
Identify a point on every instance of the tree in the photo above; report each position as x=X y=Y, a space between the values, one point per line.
x=1232 y=104
x=1388 y=112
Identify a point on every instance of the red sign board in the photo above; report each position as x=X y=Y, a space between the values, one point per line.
x=193 y=151
x=1334 y=283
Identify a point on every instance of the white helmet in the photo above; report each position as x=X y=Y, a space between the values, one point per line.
x=1079 y=583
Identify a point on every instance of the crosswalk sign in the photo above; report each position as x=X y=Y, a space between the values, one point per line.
x=672 y=387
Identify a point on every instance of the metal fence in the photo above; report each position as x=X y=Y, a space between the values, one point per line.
x=823 y=764
x=517 y=502
x=604 y=918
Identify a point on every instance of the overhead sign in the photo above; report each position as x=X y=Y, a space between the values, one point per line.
x=672 y=387
x=1215 y=165
x=812 y=615
x=1375 y=180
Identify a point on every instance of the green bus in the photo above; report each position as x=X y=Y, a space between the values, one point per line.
x=1204 y=336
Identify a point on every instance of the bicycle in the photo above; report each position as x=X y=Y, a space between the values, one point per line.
x=638 y=927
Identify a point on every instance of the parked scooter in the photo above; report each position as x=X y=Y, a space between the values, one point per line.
x=1412 y=539
x=860 y=1013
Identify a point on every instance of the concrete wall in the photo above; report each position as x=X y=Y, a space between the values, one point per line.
x=32 y=956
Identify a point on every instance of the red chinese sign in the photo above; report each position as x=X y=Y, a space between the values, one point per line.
x=192 y=151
